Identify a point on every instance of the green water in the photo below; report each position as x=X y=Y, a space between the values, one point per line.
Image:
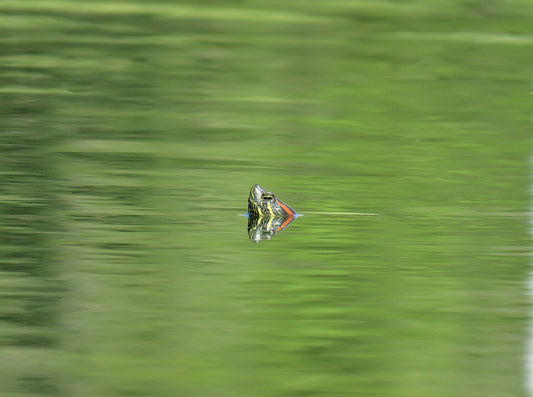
x=131 y=132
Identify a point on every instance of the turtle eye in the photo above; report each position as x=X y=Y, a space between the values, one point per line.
x=267 y=197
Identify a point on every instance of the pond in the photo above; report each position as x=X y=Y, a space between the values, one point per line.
x=132 y=132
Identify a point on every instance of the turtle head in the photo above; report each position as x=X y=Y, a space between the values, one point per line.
x=265 y=203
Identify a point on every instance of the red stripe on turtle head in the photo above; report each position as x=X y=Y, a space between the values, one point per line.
x=286 y=208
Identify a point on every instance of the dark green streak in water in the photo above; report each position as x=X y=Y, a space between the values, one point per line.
x=131 y=132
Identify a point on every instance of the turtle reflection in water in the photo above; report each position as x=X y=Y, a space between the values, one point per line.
x=267 y=215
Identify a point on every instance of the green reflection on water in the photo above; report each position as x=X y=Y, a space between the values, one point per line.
x=132 y=132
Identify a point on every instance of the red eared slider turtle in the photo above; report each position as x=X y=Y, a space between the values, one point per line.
x=264 y=203
x=267 y=215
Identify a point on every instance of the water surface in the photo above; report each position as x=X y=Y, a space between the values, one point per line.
x=131 y=134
